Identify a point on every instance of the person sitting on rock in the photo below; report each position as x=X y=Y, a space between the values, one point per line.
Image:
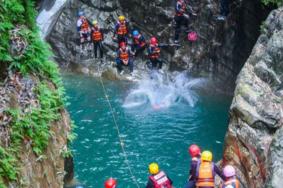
x=206 y=171
x=110 y=183
x=158 y=178
x=121 y=30
x=230 y=178
x=180 y=18
x=83 y=28
x=97 y=38
x=154 y=54
x=195 y=153
x=139 y=43
x=124 y=57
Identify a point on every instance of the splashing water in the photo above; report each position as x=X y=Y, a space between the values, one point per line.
x=164 y=90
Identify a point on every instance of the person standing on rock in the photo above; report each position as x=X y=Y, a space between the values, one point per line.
x=83 y=28
x=158 y=179
x=97 y=38
x=154 y=54
x=230 y=178
x=124 y=58
x=206 y=171
x=139 y=43
x=121 y=30
x=195 y=153
x=181 y=18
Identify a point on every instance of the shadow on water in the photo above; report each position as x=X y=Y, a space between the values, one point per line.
x=185 y=115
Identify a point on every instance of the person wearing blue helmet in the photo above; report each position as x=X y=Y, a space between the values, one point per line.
x=83 y=27
x=139 y=43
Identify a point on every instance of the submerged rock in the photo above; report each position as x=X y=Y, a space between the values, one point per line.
x=253 y=142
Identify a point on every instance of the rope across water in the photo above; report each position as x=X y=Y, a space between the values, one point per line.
x=119 y=135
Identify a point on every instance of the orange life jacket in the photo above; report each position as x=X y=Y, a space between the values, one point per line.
x=155 y=53
x=124 y=55
x=231 y=182
x=160 y=180
x=205 y=175
x=96 y=35
x=85 y=25
x=183 y=8
x=122 y=30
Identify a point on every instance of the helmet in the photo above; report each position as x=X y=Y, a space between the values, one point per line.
x=94 y=22
x=135 y=33
x=194 y=150
x=229 y=171
x=206 y=156
x=122 y=44
x=80 y=13
x=110 y=183
x=153 y=168
x=153 y=41
x=121 y=18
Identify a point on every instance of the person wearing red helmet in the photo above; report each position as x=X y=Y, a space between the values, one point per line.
x=124 y=57
x=154 y=54
x=110 y=183
x=195 y=153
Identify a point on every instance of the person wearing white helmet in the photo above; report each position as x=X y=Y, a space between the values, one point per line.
x=230 y=177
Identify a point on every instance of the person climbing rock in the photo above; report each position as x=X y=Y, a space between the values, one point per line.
x=124 y=57
x=154 y=54
x=83 y=28
x=97 y=38
x=230 y=178
x=224 y=10
x=181 y=18
x=110 y=183
x=206 y=171
x=158 y=179
x=139 y=43
x=195 y=153
x=121 y=30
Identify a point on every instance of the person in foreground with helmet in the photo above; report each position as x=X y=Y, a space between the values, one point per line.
x=139 y=43
x=83 y=28
x=195 y=153
x=124 y=57
x=206 y=171
x=121 y=30
x=230 y=178
x=154 y=54
x=97 y=38
x=110 y=183
x=158 y=179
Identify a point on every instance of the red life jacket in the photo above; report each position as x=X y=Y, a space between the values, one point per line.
x=138 y=42
x=232 y=183
x=122 y=29
x=124 y=55
x=85 y=25
x=183 y=8
x=160 y=180
x=96 y=35
x=155 y=53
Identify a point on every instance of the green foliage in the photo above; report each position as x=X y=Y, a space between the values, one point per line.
x=274 y=2
x=8 y=168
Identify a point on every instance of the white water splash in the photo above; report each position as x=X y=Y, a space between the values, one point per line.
x=46 y=18
x=162 y=91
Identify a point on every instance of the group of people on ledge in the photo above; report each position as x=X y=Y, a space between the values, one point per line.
x=202 y=173
x=90 y=32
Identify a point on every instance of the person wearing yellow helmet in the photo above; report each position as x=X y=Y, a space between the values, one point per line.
x=157 y=177
x=206 y=171
x=121 y=30
x=97 y=38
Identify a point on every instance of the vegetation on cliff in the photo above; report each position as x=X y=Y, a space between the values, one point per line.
x=34 y=125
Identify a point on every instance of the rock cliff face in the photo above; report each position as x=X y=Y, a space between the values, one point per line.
x=220 y=52
x=254 y=142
